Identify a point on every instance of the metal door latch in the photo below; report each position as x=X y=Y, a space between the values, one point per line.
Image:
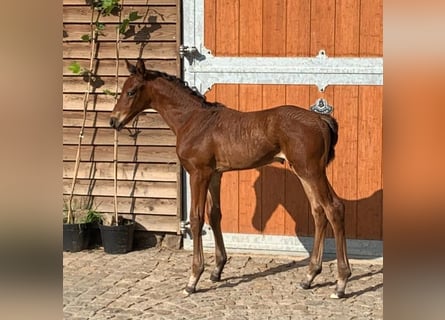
x=321 y=106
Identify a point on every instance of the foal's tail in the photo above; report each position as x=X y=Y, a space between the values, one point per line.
x=333 y=130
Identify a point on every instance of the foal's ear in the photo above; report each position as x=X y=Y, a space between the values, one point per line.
x=131 y=68
x=140 y=68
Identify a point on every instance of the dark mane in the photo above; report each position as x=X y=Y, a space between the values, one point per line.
x=153 y=74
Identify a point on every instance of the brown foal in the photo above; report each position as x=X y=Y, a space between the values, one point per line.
x=212 y=139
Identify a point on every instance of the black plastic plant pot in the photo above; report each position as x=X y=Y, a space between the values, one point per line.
x=117 y=239
x=76 y=237
x=95 y=237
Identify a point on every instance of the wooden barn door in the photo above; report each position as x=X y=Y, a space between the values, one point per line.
x=148 y=169
x=268 y=204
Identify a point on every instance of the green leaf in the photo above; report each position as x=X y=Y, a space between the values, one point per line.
x=75 y=67
x=133 y=16
x=123 y=26
x=100 y=26
x=93 y=216
x=85 y=37
x=109 y=5
x=108 y=92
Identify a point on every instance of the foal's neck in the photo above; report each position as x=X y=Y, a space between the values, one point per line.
x=174 y=103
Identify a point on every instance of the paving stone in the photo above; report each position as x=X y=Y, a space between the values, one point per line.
x=172 y=241
x=148 y=284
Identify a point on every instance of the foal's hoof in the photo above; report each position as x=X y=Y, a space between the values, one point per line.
x=189 y=290
x=337 y=295
x=215 y=278
x=305 y=285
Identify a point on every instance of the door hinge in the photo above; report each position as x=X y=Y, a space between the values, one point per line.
x=184 y=227
x=190 y=53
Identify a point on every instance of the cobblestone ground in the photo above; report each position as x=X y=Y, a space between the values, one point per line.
x=148 y=284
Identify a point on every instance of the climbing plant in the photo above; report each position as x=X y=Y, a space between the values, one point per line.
x=99 y=8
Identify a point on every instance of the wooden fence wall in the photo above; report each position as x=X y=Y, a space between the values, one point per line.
x=271 y=200
x=148 y=169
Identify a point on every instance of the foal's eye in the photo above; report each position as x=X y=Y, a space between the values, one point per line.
x=131 y=93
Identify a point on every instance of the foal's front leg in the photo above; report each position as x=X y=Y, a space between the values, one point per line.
x=214 y=217
x=199 y=182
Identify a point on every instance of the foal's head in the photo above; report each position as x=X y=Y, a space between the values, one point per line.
x=133 y=99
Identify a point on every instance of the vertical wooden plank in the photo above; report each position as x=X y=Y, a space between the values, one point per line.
x=298 y=44
x=250 y=99
x=345 y=163
x=296 y=202
x=347 y=28
x=228 y=95
x=210 y=36
x=344 y=179
x=322 y=37
x=273 y=188
x=250 y=181
x=227 y=43
x=211 y=97
x=298 y=20
x=371 y=28
x=210 y=24
x=227 y=27
x=274 y=28
x=369 y=207
x=251 y=28
x=322 y=26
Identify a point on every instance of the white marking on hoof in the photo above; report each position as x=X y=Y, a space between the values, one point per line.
x=185 y=292
x=334 y=296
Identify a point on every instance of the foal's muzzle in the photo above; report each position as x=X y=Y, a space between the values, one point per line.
x=115 y=124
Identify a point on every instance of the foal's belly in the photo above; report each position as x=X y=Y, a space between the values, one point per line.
x=246 y=160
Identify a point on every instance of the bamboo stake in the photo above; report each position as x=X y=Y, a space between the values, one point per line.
x=85 y=107
x=116 y=214
x=116 y=137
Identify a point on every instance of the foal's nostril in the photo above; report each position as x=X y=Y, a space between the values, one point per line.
x=112 y=122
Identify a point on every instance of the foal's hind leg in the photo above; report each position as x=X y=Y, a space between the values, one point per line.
x=214 y=217
x=323 y=199
x=315 y=264
x=336 y=217
x=321 y=222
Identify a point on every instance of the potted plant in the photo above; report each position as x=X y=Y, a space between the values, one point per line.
x=80 y=227
x=117 y=238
